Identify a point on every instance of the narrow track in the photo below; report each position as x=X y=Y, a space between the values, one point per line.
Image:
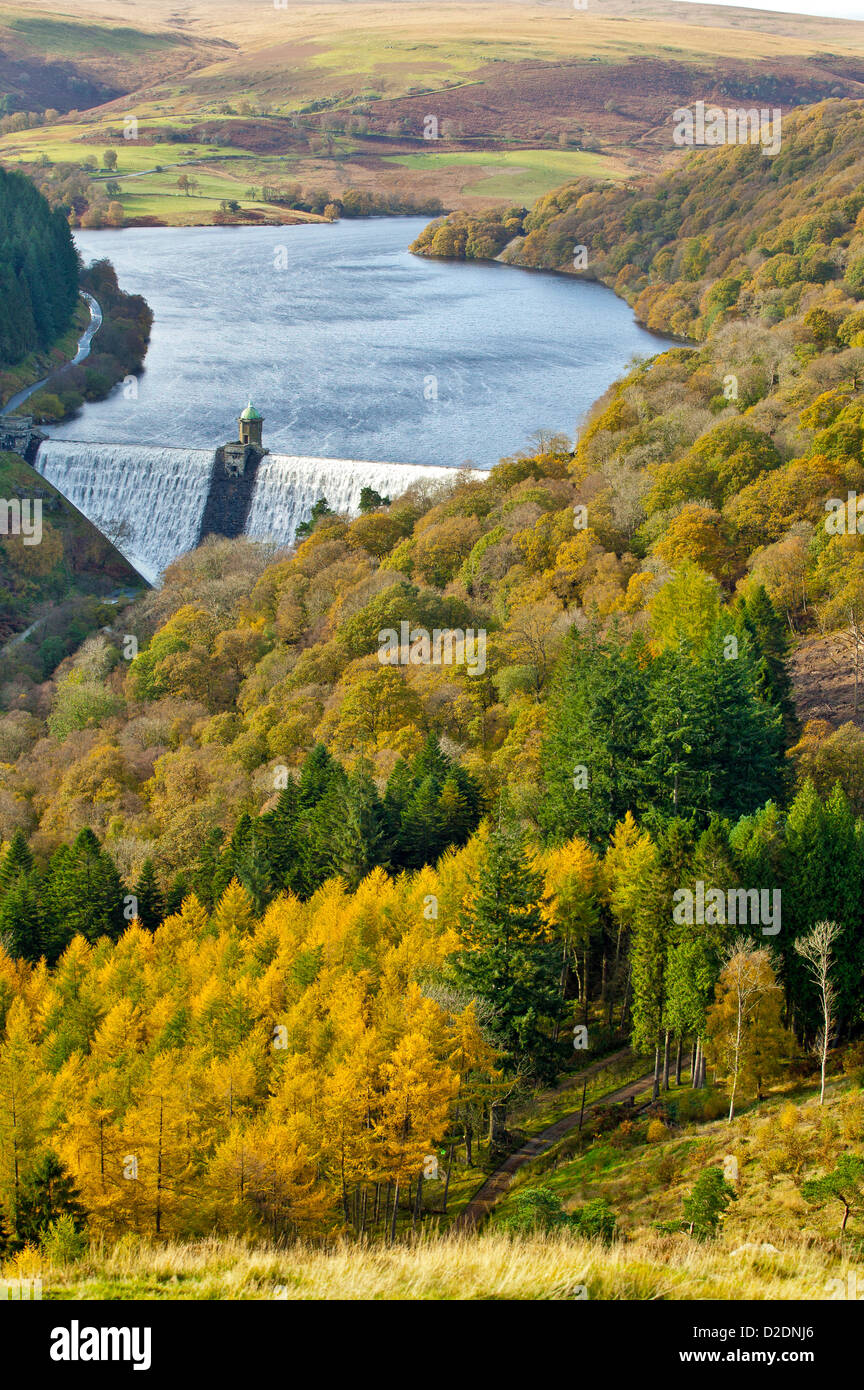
x=493 y=1189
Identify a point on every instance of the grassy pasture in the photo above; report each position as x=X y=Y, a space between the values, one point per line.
x=521 y=175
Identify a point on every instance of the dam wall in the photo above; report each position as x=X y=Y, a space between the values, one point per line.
x=156 y=503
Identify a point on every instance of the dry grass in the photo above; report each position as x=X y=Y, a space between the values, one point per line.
x=710 y=31
x=491 y=1266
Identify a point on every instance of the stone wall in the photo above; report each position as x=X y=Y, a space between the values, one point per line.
x=229 y=497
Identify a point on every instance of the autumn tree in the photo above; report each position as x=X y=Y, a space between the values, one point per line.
x=745 y=1037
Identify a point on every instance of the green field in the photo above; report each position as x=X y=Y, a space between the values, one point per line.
x=71 y=144
x=435 y=62
x=65 y=38
x=148 y=173
x=519 y=174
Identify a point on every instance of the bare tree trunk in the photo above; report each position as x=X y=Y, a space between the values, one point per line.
x=386 y=1211
x=678 y=1064
x=609 y=1017
x=447 y=1176
x=417 y=1203
x=626 y=999
x=395 y=1213
x=666 y=1061
x=655 y=1090
x=497 y=1121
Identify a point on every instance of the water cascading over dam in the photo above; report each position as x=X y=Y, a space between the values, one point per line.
x=148 y=501
x=151 y=501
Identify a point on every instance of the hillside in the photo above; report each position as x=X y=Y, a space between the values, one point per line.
x=38 y=271
x=673 y=458
x=60 y=585
x=52 y=60
x=773 y=1244
x=645 y=1164
x=338 y=98
x=328 y=875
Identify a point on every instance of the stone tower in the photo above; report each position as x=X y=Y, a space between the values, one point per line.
x=251 y=425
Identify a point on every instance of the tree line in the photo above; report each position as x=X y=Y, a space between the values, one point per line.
x=38 y=270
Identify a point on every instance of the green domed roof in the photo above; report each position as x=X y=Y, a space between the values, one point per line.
x=250 y=413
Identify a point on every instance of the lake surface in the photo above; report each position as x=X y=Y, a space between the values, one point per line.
x=351 y=347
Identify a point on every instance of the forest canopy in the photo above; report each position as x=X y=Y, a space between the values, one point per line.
x=38 y=270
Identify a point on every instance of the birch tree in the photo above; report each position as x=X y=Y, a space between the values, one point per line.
x=816 y=950
x=742 y=1032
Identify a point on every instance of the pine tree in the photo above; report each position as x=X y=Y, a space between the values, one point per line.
x=598 y=738
x=151 y=908
x=844 y=1184
x=705 y=1206
x=428 y=804
x=678 y=720
x=83 y=893
x=767 y=628
x=357 y=838
x=250 y=862
x=316 y=776
x=740 y=752
x=823 y=868
x=285 y=842
x=508 y=958
x=180 y=887
x=15 y=863
x=422 y=831
x=47 y=1193
x=653 y=933
x=21 y=928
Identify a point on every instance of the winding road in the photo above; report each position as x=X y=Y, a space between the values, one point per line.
x=83 y=351
x=112 y=598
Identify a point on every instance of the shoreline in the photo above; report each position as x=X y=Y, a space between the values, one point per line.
x=83 y=352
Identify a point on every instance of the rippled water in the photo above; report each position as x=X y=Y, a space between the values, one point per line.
x=356 y=348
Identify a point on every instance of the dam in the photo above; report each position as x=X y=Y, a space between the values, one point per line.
x=156 y=503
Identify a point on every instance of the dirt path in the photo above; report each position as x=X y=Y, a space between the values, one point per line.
x=495 y=1186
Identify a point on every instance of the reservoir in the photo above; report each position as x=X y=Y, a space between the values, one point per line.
x=371 y=366
x=351 y=347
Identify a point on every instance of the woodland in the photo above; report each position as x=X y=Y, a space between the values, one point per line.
x=282 y=923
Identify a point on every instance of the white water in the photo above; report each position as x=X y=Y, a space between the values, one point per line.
x=287 y=488
x=157 y=495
